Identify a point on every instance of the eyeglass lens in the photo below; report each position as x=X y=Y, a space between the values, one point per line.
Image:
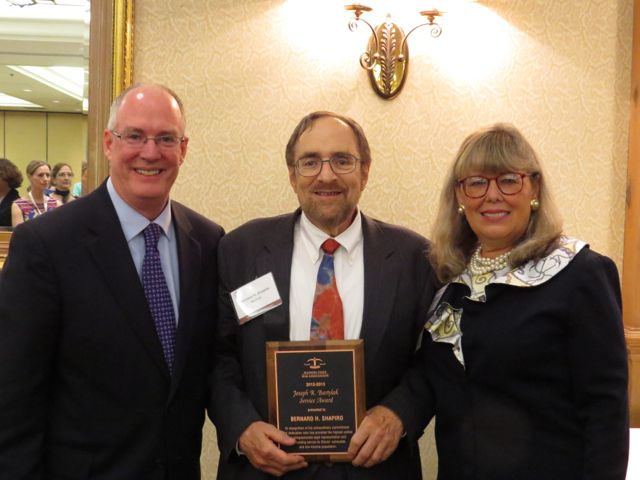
x=138 y=139
x=339 y=163
x=508 y=184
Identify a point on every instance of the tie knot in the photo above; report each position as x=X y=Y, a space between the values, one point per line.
x=152 y=235
x=329 y=246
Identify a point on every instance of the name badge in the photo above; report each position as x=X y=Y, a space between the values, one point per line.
x=255 y=298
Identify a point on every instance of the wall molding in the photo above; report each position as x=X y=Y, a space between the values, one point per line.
x=631 y=264
x=633 y=350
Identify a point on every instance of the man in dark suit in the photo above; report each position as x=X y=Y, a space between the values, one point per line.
x=384 y=282
x=95 y=381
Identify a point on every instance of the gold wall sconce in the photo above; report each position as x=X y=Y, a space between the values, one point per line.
x=387 y=56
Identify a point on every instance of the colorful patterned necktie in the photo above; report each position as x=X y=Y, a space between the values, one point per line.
x=327 y=319
x=157 y=293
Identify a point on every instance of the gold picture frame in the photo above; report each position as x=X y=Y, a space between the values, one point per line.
x=110 y=72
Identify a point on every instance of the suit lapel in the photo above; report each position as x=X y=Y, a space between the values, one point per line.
x=275 y=257
x=111 y=254
x=380 y=279
x=189 y=261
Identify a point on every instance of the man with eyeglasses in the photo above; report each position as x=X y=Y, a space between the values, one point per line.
x=383 y=282
x=107 y=317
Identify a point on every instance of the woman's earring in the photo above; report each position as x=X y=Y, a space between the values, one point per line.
x=535 y=204
x=460 y=209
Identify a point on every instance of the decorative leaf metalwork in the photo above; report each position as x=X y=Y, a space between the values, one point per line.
x=388 y=57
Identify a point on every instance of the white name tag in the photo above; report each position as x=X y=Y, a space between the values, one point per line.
x=255 y=298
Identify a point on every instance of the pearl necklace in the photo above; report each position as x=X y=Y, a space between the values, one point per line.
x=480 y=265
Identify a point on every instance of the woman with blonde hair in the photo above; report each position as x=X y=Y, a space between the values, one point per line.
x=37 y=201
x=523 y=361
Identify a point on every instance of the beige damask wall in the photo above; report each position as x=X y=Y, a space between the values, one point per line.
x=248 y=70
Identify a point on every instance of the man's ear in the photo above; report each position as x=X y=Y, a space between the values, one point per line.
x=292 y=178
x=107 y=142
x=183 y=149
x=364 y=174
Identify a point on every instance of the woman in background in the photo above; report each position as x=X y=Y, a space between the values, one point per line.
x=37 y=202
x=10 y=181
x=77 y=187
x=61 y=179
x=523 y=361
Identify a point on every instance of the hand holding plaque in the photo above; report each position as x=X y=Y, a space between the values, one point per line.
x=316 y=395
x=377 y=438
x=259 y=442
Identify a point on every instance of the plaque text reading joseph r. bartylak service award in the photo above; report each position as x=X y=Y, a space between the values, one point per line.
x=316 y=395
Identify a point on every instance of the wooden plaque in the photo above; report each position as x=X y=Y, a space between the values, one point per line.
x=316 y=395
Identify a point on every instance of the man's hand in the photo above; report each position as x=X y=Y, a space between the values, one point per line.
x=259 y=443
x=377 y=438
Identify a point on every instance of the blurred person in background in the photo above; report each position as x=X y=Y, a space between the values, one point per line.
x=10 y=181
x=77 y=187
x=61 y=178
x=37 y=201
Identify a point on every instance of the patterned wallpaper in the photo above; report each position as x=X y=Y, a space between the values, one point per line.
x=248 y=70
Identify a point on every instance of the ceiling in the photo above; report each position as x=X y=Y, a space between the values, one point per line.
x=49 y=34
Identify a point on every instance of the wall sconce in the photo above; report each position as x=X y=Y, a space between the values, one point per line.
x=387 y=56
x=21 y=3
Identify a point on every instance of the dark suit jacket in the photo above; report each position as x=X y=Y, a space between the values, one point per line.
x=84 y=390
x=543 y=394
x=5 y=207
x=397 y=291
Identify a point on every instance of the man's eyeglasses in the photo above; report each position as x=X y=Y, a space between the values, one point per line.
x=340 y=164
x=137 y=140
x=510 y=183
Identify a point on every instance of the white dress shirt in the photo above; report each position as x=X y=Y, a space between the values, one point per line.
x=133 y=224
x=348 y=263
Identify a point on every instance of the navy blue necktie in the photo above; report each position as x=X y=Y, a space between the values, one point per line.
x=157 y=293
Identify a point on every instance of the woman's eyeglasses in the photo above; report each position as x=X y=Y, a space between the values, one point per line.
x=510 y=183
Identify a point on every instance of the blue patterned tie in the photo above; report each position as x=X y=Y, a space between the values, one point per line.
x=157 y=293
